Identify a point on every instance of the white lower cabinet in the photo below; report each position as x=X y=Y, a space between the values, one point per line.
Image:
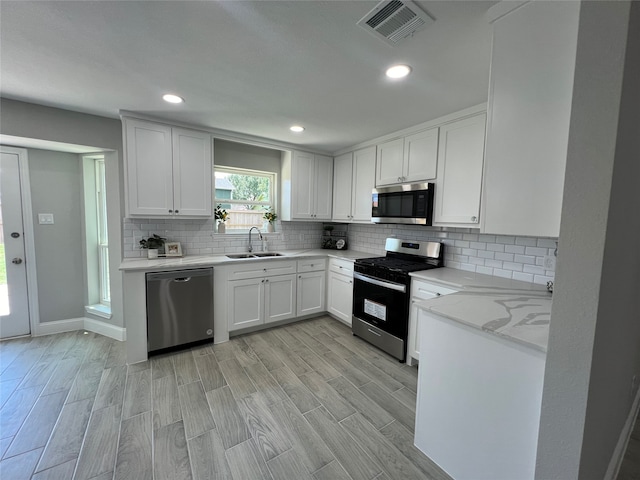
x=258 y=293
x=257 y=301
x=311 y=293
x=420 y=291
x=340 y=289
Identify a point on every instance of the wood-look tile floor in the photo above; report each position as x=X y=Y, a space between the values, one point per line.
x=303 y=401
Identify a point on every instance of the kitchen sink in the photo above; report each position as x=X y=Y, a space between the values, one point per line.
x=254 y=255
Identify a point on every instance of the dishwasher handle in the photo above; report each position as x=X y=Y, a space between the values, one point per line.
x=180 y=276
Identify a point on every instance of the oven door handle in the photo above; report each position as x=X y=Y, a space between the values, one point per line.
x=380 y=283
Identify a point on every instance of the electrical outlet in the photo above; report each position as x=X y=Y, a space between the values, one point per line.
x=549 y=262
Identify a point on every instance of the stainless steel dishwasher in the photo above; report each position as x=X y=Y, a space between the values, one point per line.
x=179 y=308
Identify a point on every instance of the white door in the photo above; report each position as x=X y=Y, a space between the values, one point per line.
x=14 y=305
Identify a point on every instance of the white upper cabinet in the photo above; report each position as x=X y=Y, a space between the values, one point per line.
x=420 y=156
x=342 y=185
x=389 y=162
x=410 y=159
x=530 y=91
x=169 y=170
x=460 y=159
x=364 y=176
x=353 y=180
x=307 y=186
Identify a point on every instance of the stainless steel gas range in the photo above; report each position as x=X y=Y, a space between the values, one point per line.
x=381 y=292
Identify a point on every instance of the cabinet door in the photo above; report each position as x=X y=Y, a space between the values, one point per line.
x=280 y=298
x=149 y=168
x=192 y=176
x=530 y=93
x=302 y=185
x=421 y=156
x=323 y=185
x=460 y=159
x=342 y=180
x=340 y=296
x=364 y=179
x=389 y=162
x=311 y=293
x=245 y=303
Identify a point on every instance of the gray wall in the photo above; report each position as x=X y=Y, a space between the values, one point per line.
x=28 y=120
x=231 y=154
x=56 y=187
x=594 y=342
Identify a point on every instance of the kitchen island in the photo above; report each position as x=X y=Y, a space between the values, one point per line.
x=482 y=359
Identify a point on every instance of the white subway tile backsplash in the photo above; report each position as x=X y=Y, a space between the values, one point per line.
x=519 y=249
x=526 y=241
x=505 y=257
x=526 y=259
x=536 y=251
x=520 y=258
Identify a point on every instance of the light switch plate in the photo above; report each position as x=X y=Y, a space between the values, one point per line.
x=45 y=218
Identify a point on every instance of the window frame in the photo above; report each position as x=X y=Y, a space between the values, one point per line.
x=273 y=191
x=103 y=237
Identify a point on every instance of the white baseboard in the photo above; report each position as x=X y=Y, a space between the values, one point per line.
x=59 y=326
x=623 y=441
x=106 y=329
x=89 y=324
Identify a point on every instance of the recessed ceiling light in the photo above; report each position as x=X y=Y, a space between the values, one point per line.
x=169 y=97
x=296 y=128
x=398 y=71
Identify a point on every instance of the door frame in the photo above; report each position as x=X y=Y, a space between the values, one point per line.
x=28 y=236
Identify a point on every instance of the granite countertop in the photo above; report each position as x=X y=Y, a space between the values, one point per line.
x=194 y=261
x=511 y=309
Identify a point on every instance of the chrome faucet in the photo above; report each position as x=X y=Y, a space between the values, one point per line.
x=260 y=234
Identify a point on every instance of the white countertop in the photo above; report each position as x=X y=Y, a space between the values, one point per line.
x=194 y=261
x=511 y=309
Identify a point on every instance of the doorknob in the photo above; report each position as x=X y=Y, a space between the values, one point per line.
x=17 y=261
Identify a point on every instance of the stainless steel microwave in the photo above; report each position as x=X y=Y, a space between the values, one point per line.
x=407 y=203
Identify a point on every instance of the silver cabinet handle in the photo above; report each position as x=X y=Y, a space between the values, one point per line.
x=170 y=211
x=176 y=211
x=474 y=219
x=16 y=261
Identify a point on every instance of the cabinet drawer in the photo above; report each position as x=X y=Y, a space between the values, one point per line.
x=312 y=265
x=344 y=267
x=261 y=269
x=425 y=290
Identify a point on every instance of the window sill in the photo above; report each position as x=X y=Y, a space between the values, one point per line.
x=99 y=310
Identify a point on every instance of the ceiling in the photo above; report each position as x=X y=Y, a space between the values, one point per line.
x=254 y=67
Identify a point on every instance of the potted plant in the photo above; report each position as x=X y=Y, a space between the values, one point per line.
x=221 y=216
x=152 y=245
x=270 y=216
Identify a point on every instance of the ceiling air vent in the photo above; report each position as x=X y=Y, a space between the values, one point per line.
x=395 y=20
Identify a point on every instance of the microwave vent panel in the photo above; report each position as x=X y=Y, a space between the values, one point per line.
x=394 y=21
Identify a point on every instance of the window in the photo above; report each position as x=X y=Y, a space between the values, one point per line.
x=245 y=194
x=103 y=242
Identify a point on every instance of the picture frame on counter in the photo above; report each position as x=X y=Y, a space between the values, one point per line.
x=173 y=249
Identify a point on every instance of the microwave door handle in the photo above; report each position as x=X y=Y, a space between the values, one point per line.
x=380 y=283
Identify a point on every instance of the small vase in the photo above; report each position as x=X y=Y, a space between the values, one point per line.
x=152 y=253
x=222 y=228
x=271 y=227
